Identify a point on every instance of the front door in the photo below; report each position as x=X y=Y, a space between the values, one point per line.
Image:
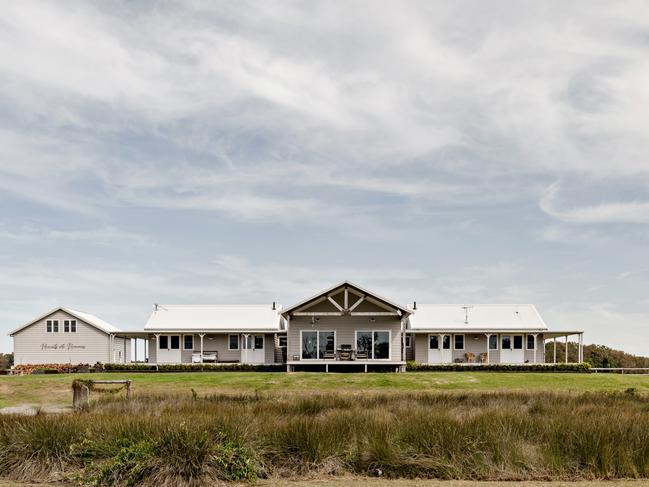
x=511 y=349
x=252 y=350
x=439 y=349
x=169 y=349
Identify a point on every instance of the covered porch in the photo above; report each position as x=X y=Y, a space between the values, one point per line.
x=484 y=347
x=200 y=347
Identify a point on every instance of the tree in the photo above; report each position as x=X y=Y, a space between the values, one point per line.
x=6 y=360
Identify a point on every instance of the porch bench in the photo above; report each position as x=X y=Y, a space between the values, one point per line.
x=207 y=357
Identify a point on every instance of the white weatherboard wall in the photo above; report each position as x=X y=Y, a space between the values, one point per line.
x=34 y=345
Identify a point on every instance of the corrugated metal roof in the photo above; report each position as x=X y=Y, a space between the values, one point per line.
x=480 y=316
x=86 y=317
x=215 y=317
x=93 y=320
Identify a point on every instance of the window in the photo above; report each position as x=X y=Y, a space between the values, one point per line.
x=259 y=342
x=506 y=342
x=458 y=343
x=188 y=342
x=531 y=339
x=375 y=343
x=518 y=342
x=493 y=342
x=73 y=326
x=446 y=342
x=282 y=341
x=49 y=326
x=55 y=326
x=381 y=345
x=233 y=342
x=433 y=342
x=66 y=326
x=164 y=341
x=316 y=343
x=175 y=342
x=408 y=341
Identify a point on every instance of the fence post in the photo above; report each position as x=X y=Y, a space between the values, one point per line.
x=80 y=396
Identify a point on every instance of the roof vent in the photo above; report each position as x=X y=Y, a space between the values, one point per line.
x=414 y=305
x=274 y=306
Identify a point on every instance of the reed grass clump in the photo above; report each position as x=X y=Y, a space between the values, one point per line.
x=195 y=439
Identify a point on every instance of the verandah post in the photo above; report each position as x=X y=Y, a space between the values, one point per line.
x=566 y=348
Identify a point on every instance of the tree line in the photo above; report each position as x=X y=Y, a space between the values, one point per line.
x=595 y=355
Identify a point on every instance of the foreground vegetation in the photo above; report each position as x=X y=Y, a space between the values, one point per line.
x=193 y=439
x=55 y=389
x=374 y=482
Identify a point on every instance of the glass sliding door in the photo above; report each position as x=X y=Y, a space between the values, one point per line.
x=316 y=343
x=375 y=343
x=326 y=342
x=381 y=345
x=364 y=342
x=309 y=345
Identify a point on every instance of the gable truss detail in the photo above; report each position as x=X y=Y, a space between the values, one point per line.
x=345 y=309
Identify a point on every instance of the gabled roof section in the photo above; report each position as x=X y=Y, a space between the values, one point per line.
x=87 y=318
x=476 y=317
x=336 y=289
x=215 y=317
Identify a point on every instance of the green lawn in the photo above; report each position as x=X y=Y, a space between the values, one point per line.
x=55 y=389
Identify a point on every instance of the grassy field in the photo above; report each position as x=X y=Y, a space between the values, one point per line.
x=362 y=482
x=55 y=389
x=166 y=440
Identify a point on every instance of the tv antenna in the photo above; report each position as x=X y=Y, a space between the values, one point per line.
x=466 y=314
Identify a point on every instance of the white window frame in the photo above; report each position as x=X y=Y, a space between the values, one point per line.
x=463 y=341
x=55 y=322
x=497 y=341
x=527 y=335
x=523 y=338
x=389 y=332
x=73 y=326
x=188 y=335
x=238 y=341
x=317 y=332
x=48 y=326
x=279 y=341
x=408 y=340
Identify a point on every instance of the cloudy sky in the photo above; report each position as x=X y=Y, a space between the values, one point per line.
x=211 y=152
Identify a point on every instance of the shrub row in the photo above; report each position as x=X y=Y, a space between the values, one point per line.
x=196 y=367
x=27 y=369
x=415 y=367
x=198 y=440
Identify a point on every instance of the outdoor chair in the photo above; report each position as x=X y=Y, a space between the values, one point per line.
x=362 y=355
x=329 y=355
x=196 y=357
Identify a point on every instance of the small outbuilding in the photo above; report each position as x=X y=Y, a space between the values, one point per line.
x=64 y=335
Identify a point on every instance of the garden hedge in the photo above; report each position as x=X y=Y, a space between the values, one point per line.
x=412 y=366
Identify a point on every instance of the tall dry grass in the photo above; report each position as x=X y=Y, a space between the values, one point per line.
x=180 y=440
